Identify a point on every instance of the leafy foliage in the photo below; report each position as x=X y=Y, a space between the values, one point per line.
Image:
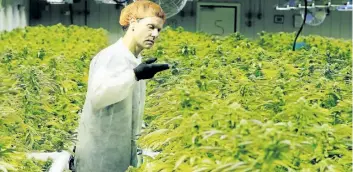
x=227 y=104
x=231 y=104
x=43 y=80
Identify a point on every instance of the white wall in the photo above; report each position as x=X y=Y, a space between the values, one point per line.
x=337 y=24
x=12 y=15
x=101 y=15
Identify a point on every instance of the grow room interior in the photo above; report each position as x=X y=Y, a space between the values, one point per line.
x=255 y=85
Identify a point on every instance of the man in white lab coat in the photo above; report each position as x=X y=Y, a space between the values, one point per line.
x=112 y=114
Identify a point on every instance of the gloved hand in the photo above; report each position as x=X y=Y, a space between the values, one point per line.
x=147 y=70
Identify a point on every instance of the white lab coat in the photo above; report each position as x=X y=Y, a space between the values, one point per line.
x=112 y=114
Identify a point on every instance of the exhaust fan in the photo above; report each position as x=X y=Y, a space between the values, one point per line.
x=314 y=16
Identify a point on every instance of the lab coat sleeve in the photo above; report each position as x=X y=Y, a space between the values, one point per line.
x=109 y=86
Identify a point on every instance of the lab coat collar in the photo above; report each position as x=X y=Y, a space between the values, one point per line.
x=131 y=57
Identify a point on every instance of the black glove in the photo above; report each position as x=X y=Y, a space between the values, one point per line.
x=147 y=70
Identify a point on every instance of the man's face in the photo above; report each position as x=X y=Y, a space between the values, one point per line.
x=146 y=31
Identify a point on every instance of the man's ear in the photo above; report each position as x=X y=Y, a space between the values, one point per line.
x=133 y=23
